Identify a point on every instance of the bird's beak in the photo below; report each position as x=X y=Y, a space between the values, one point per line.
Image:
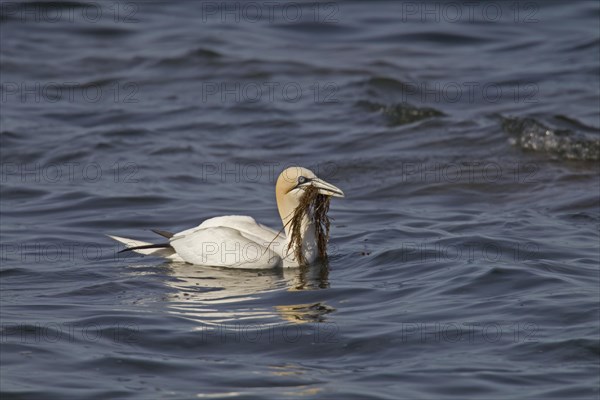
x=326 y=189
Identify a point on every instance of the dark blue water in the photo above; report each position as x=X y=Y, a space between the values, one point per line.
x=464 y=260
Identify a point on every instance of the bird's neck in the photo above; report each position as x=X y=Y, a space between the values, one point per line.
x=306 y=227
x=287 y=205
x=307 y=239
x=307 y=230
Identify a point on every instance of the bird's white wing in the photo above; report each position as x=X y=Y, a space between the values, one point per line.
x=223 y=247
x=247 y=226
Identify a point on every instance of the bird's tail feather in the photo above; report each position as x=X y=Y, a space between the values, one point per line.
x=147 y=246
x=162 y=250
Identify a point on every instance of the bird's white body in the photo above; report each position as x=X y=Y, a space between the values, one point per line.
x=236 y=241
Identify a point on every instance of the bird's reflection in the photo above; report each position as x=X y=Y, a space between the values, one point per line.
x=301 y=313
x=312 y=277
x=216 y=296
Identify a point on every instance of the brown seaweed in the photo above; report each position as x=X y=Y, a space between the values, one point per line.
x=315 y=206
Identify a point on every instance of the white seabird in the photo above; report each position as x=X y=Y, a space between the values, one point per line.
x=237 y=241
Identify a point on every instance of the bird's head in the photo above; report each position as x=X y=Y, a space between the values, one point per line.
x=292 y=183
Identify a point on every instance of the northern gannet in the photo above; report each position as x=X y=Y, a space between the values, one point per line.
x=236 y=241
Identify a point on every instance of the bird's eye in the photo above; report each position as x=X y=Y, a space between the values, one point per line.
x=301 y=180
